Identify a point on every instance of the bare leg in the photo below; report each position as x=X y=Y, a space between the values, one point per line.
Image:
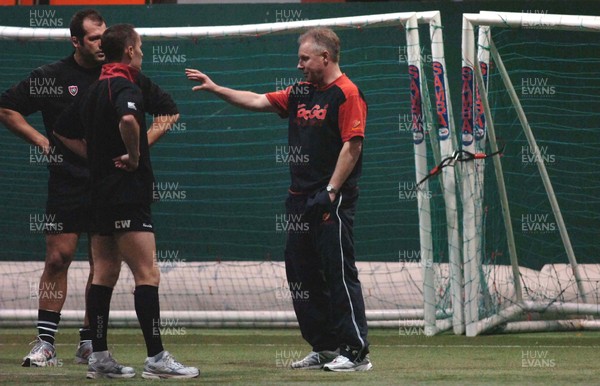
x=137 y=250
x=60 y=250
x=106 y=260
x=52 y=291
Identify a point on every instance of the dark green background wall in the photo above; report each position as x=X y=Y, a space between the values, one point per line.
x=220 y=164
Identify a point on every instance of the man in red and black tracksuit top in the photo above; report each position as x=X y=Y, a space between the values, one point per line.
x=326 y=122
x=322 y=260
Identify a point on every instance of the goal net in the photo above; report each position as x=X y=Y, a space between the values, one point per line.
x=530 y=216
x=222 y=177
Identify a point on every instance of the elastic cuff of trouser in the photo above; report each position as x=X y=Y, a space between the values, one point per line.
x=355 y=355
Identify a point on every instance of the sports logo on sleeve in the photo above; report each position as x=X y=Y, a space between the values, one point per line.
x=131 y=106
x=73 y=90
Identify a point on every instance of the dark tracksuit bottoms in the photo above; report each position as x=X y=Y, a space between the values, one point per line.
x=321 y=263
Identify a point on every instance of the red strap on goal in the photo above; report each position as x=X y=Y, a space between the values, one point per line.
x=459 y=155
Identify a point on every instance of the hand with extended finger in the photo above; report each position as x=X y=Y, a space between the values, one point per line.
x=206 y=83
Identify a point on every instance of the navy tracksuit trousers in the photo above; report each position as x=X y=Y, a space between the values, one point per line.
x=320 y=266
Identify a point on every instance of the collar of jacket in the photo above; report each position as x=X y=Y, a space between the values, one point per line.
x=113 y=70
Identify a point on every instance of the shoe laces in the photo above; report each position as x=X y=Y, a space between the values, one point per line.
x=109 y=361
x=171 y=363
x=38 y=345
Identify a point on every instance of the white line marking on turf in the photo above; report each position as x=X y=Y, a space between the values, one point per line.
x=486 y=346
x=34 y=374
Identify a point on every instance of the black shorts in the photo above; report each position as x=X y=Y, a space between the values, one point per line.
x=66 y=219
x=67 y=206
x=122 y=218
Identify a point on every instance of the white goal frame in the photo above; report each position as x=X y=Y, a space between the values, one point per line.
x=442 y=145
x=508 y=320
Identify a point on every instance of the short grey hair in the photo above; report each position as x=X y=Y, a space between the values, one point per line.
x=324 y=39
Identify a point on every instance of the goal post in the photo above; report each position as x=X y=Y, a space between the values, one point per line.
x=250 y=289
x=228 y=31
x=498 y=296
x=442 y=283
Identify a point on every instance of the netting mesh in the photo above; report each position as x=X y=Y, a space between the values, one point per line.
x=222 y=176
x=556 y=78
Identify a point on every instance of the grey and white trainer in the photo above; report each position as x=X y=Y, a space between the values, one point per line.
x=164 y=366
x=342 y=363
x=315 y=360
x=102 y=365
x=41 y=355
x=84 y=350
